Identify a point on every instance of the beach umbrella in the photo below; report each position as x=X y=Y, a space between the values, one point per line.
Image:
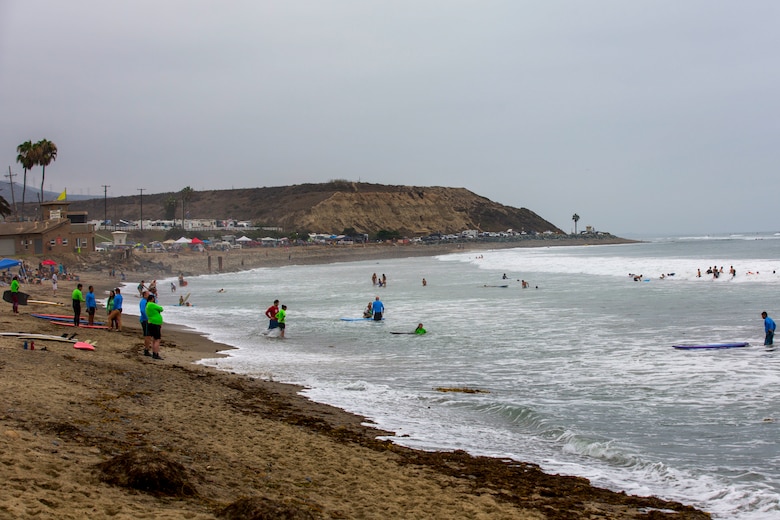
x=7 y=263
x=49 y=262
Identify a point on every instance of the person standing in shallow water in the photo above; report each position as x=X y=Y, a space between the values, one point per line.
x=769 y=329
x=378 y=308
x=270 y=313
x=281 y=319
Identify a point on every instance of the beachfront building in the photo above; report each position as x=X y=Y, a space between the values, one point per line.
x=60 y=231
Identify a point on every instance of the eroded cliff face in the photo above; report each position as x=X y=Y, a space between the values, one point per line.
x=335 y=206
x=415 y=211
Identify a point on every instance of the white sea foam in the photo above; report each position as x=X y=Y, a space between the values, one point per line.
x=580 y=372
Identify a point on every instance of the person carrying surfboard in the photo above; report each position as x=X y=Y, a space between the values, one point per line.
x=15 y=294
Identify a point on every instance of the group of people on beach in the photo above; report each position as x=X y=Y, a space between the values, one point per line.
x=77 y=298
x=150 y=314
x=151 y=323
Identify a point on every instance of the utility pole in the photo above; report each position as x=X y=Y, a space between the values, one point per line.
x=11 y=181
x=105 y=206
x=142 y=208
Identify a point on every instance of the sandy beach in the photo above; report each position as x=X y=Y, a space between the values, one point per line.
x=110 y=433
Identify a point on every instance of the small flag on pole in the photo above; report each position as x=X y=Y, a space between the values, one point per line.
x=63 y=195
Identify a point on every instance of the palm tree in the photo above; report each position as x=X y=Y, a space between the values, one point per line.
x=186 y=195
x=575 y=218
x=170 y=208
x=45 y=153
x=26 y=158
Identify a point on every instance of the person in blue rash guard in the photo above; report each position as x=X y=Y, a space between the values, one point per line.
x=769 y=329
x=116 y=314
x=144 y=319
x=91 y=305
x=378 y=309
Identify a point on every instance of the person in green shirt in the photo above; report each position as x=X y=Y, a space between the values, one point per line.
x=420 y=329
x=154 y=327
x=280 y=318
x=15 y=294
x=77 y=296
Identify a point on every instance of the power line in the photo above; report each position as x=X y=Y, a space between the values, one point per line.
x=142 y=208
x=11 y=176
x=105 y=206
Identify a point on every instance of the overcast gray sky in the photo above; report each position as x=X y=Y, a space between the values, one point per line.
x=641 y=116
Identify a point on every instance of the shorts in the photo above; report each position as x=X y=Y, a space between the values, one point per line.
x=91 y=310
x=273 y=324
x=145 y=328
x=377 y=316
x=281 y=326
x=155 y=331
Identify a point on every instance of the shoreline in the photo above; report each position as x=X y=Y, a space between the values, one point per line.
x=235 y=436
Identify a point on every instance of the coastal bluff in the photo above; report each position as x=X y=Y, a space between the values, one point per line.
x=333 y=207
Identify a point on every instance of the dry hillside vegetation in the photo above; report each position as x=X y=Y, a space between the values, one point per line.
x=335 y=206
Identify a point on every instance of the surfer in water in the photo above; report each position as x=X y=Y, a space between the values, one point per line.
x=378 y=308
x=281 y=316
x=270 y=313
x=420 y=330
x=369 y=310
x=769 y=329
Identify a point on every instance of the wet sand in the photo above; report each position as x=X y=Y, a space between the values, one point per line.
x=111 y=433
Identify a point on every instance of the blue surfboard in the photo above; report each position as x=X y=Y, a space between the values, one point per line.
x=738 y=344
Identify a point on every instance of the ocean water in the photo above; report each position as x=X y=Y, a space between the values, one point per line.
x=578 y=370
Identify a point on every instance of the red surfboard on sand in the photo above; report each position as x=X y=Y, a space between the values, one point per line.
x=81 y=345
